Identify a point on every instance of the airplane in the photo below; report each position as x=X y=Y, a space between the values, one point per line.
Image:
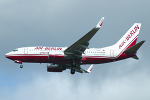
x=72 y=57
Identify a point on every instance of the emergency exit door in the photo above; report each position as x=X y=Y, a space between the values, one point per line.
x=111 y=53
x=26 y=50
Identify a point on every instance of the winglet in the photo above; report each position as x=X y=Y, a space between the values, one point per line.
x=90 y=68
x=100 y=23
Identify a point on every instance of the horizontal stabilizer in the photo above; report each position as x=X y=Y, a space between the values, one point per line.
x=135 y=57
x=134 y=48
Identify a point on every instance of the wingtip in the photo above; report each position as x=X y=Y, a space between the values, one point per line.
x=90 y=68
x=100 y=23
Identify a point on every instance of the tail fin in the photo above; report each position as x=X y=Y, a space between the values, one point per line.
x=129 y=39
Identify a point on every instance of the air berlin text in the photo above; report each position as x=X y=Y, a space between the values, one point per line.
x=129 y=35
x=48 y=48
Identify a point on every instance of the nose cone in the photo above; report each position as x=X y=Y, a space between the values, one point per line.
x=7 y=55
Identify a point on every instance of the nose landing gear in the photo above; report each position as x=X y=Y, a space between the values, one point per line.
x=21 y=66
x=19 y=62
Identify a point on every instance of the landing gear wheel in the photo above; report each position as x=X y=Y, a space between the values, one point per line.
x=72 y=71
x=21 y=66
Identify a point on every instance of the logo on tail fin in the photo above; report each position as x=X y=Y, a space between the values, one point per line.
x=101 y=22
x=129 y=35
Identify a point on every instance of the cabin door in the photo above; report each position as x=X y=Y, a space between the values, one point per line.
x=26 y=50
x=111 y=53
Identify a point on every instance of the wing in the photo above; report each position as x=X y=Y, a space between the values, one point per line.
x=77 y=49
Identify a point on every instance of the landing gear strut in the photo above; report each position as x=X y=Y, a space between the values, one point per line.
x=73 y=63
x=72 y=71
x=21 y=66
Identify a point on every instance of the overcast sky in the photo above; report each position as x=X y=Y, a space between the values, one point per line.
x=61 y=23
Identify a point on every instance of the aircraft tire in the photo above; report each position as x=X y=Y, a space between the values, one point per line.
x=21 y=66
x=72 y=71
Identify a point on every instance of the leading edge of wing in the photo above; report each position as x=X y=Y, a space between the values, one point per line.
x=85 y=38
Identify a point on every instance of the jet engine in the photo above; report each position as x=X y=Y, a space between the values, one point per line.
x=55 y=68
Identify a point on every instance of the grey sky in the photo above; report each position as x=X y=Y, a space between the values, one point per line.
x=61 y=23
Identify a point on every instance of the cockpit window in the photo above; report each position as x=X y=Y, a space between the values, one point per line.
x=15 y=50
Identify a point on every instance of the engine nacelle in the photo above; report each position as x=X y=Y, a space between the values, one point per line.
x=17 y=61
x=55 y=68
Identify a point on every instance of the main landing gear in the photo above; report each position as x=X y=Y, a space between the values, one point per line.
x=73 y=64
x=72 y=71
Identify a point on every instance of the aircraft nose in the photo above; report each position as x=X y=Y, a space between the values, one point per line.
x=7 y=55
